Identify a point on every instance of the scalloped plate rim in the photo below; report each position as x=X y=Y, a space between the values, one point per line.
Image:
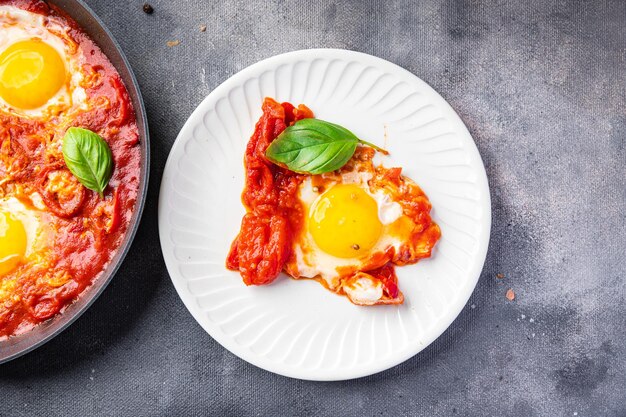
x=277 y=367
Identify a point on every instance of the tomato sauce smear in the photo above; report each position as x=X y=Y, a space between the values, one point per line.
x=82 y=230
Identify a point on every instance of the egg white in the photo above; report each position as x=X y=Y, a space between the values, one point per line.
x=365 y=290
x=18 y=25
x=311 y=261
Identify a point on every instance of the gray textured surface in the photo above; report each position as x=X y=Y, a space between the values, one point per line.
x=540 y=84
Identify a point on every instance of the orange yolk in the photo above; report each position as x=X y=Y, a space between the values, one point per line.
x=344 y=221
x=31 y=73
x=12 y=243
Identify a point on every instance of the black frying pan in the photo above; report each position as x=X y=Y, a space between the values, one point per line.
x=93 y=26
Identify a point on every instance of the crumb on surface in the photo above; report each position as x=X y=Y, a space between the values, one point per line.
x=147 y=8
x=499 y=276
x=510 y=294
x=202 y=28
x=173 y=43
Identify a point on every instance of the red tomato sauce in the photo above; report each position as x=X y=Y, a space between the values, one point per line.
x=84 y=230
x=274 y=213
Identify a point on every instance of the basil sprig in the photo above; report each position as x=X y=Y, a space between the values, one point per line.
x=313 y=146
x=88 y=157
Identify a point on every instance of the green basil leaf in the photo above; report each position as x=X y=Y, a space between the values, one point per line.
x=88 y=157
x=313 y=146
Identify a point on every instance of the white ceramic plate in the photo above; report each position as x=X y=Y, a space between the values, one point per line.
x=297 y=328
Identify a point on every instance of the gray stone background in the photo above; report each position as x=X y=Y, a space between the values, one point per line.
x=541 y=86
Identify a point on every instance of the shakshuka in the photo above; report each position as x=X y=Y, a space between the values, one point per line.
x=346 y=228
x=57 y=235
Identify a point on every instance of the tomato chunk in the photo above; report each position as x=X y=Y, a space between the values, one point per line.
x=263 y=245
x=265 y=248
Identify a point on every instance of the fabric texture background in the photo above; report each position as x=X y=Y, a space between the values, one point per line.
x=541 y=86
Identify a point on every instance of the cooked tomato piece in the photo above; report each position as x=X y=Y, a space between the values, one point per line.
x=264 y=243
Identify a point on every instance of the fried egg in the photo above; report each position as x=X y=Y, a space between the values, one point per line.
x=350 y=225
x=23 y=236
x=40 y=66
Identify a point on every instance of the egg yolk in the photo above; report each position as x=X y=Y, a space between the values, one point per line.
x=344 y=221
x=12 y=242
x=31 y=73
